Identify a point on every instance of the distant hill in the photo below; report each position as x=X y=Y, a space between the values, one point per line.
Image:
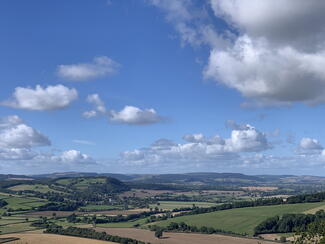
x=200 y=178
x=196 y=178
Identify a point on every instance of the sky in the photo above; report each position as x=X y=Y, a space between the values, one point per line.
x=162 y=86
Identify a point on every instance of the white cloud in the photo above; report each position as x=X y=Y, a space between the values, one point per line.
x=190 y=22
x=16 y=135
x=279 y=53
x=135 y=116
x=270 y=75
x=99 y=106
x=272 y=53
x=235 y=126
x=194 y=137
x=10 y=121
x=128 y=115
x=22 y=136
x=247 y=140
x=16 y=154
x=83 y=142
x=73 y=157
x=18 y=150
x=89 y=114
x=310 y=144
x=281 y=23
x=199 y=149
x=49 y=98
x=17 y=139
x=100 y=67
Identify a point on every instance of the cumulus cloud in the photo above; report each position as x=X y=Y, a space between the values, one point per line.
x=16 y=154
x=128 y=115
x=279 y=53
x=49 y=98
x=73 y=157
x=199 y=149
x=18 y=142
x=281 y=22
x=272 y=53
x=99 y=106
x=248 y=140
x=135 y=116
x=17 y=139
x=15 y=134
x=309 y=146
x=100 y=67
x=270 y=75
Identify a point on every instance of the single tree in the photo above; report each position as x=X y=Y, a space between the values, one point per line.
x=159 y=233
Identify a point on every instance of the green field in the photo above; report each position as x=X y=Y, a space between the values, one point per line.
x=241 y=220
x=169 y=205
x=6 y=229
x=11 y=220
x=101 y=207
x=128 y=224
x=30 y=187
x=15 y=202
x=65 y=181
x=81 y=183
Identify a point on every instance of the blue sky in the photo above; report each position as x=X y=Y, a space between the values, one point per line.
x=92 y=85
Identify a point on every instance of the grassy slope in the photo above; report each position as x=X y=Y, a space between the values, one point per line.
x=314 y=210
x=241 y=220
x=36 y=187
x=22 y=202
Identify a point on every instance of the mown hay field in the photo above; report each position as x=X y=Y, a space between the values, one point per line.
x=241 y=220
x=40 y=238
x=178 y=238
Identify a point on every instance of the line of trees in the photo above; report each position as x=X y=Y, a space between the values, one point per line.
x=110 y=219
x=288 y=223
x=315 y=233
x=313 y=197
x=183 y=227
x=64 y=206
x=3 y=203
x=89 y=233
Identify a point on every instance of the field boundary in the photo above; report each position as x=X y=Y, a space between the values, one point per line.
x=9 y=239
